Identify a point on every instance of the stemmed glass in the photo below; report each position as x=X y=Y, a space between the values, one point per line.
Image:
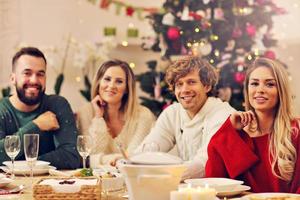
x=12 y=147
x=84 y=147
x=31 y=149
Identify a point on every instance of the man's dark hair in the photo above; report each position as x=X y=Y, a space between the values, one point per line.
x=31 y=51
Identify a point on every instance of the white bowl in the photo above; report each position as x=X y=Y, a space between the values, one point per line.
x=220 y=184
x=110 y=184
x=22 y=165
x=155 y=158
x=149 y=182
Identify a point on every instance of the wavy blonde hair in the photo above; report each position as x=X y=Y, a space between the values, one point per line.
x=129 y=105
x=283 y=154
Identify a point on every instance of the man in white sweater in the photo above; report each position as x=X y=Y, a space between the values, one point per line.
x=192 y=122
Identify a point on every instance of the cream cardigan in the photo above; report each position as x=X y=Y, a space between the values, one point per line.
x=104 y=148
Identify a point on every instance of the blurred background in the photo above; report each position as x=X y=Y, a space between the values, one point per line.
x=77 y=35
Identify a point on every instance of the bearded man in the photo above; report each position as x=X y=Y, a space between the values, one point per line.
x=30 y=111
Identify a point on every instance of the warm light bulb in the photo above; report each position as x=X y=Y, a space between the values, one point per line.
x=217 y=53
x=189 y=44
x=78 y=79
x=131 y=25
x=124 y=43
x=132 y=65
x=197 y=30
x=249 y=57
x=211 y=61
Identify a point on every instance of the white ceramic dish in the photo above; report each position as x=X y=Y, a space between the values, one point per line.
x=111 y=184
x=27 y=171
x=263 y=196
x=234 y=191
x=155 y=158
x=220 y=184
x=22 y=164
x=10 y=196
x=5 y=181
x=151 y=182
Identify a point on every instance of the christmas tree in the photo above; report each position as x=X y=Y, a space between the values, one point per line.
x=230 y=34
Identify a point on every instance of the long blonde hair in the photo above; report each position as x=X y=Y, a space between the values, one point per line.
x=283 y=154
x=129 y=103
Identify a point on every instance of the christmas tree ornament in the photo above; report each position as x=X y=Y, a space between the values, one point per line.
x=270 y=54
x=205 y=48
x=105 y=3
x=250 y=29
x=202 y=13
x=168 y=19
x=173 y=33
x=237 y=33
x=239 y=77
x=129 y=11
x=206 y=1
x=219 y=14
x=185 y=14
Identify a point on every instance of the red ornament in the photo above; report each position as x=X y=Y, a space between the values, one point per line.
x=239 y=77
x=129 y=11
x=236 y=33
x=251 y=30
x=104 y=4
x=195 y=16
x=173 y=33
x=270 y=54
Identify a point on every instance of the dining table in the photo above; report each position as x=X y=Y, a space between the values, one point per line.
x=28 y=183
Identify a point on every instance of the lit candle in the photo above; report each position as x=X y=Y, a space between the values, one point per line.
x=179 y=195
x=203 y=194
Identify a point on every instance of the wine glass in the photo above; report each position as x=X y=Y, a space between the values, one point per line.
x=31 y=149
x=150 y=147
x=12 y=147
x=84 y=147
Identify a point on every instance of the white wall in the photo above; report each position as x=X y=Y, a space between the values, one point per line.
x=46 y=23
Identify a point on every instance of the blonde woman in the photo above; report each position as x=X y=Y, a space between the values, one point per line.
x=260 y=146
x=114 y=116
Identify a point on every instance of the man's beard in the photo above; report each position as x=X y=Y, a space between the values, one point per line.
x=30 y=101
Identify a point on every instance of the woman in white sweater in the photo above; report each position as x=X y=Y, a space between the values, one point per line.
x=114 y=115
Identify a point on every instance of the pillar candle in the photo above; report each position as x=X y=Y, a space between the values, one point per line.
x=179 y=195
x=203 y=194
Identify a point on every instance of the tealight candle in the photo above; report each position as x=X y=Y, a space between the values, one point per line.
x=203 y=194
x=179 y=195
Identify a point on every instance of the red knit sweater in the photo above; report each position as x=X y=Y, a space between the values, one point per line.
x=235 y=155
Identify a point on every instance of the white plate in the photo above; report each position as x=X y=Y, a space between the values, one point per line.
x=218 y=183
x=10 y=196
x=262 y=196
x=232 y=192
x=5 y=181
x=155 y=158
x=22 y=164
x=27 y=171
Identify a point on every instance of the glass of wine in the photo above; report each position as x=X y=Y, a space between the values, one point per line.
x=31 y=149
x=12 y=147
x=84 y=147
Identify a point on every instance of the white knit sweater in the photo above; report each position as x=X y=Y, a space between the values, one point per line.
x=191 y=136
x=104 y=148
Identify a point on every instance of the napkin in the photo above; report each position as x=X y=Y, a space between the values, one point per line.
x=68 y=188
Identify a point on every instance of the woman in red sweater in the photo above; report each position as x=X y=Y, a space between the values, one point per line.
x=262 y=145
